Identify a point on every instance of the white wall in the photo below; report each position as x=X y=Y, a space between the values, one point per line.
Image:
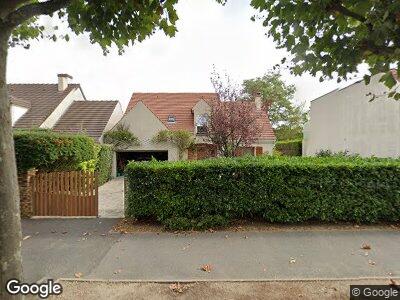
x=17 y=112
x=267 y=145
x=114 y=119
x=347 y=120
x=74 y=95
x=145 y=125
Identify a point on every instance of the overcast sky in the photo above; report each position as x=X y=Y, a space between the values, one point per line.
x=209 y=34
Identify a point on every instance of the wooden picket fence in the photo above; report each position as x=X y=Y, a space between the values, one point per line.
x=70 y=194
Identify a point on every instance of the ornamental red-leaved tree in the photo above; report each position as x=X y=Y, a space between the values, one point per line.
x=232 y=122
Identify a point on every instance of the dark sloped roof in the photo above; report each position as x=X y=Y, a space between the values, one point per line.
x=88 y=116
x=20 y=102
x=44 y=98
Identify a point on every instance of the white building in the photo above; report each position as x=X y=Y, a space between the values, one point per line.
x=61 y=106
x=347 y=120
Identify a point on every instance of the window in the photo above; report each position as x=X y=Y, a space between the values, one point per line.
x=171 y=119
x=201 y=124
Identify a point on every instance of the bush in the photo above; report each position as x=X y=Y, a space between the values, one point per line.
x=185 y=194
x=50 y=151
x=104 y=163
x=329 y=153
x=121 y=137
x=289 y=148
x=182 y=139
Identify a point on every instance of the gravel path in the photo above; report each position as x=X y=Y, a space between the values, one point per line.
x=111 y=199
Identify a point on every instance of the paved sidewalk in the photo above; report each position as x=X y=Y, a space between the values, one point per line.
x=87 y=247
x=111 y=199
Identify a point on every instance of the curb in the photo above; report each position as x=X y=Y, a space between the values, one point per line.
x=227 y=280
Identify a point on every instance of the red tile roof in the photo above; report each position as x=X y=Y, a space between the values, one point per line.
x=44 y=98
x=177 y=104
x=180 y=105
x=87 y=116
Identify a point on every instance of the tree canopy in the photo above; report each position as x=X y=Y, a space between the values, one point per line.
x=286 y=117
x=335 y=36
x=107 y=22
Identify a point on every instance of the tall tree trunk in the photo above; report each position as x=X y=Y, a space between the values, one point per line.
x=10 y=223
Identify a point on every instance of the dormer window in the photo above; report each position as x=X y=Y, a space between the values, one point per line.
x=171 y=119
x=201 y=124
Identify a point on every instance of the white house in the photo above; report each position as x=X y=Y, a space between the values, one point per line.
x=347 y=120
x=149 y=113
x=62 y=107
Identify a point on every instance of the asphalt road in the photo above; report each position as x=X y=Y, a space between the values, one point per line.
x=61 y=248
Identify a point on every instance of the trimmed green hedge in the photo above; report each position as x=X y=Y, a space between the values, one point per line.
x=289 y=147
x=104 y=163
x=50 y=151
x=207 y=193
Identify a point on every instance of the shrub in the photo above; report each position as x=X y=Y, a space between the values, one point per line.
x=185 y=194
x=51 y=151
x=121 y=137
x=289 y=147
x=329 y=153
x=104 y=163
x=182 y=223
x=182 y=139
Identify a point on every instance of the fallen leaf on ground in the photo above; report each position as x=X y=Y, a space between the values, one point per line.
x=78 y=275
x=292 y=260
x=177 y=288
x=393 y=282
x=206 y=268
x=64 y=232
x=117 y=271
x=26 y=237
x=37 y=232
x=53 y=231
x=245 y=237
x=366 y=247
x=103 y=234
x=211 y=230
x=226 y=236
x=372 y=263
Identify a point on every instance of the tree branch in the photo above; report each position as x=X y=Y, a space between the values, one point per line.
x=8 y=6
x=338 y=7
x=34 y=9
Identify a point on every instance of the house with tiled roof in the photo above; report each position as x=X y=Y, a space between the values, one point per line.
x=62 y=107
x=149 y=113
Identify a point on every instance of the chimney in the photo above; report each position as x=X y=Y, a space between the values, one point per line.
x=258 y=100
x=63 y=81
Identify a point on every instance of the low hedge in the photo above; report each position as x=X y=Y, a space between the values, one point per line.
x=104 y=163
x=208 y=193
x=51 y=151
x=289 y=147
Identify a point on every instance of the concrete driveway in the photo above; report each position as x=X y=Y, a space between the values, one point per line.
x=61 y=248
x=111 y=199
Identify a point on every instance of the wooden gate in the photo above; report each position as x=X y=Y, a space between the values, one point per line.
x=70 y=194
